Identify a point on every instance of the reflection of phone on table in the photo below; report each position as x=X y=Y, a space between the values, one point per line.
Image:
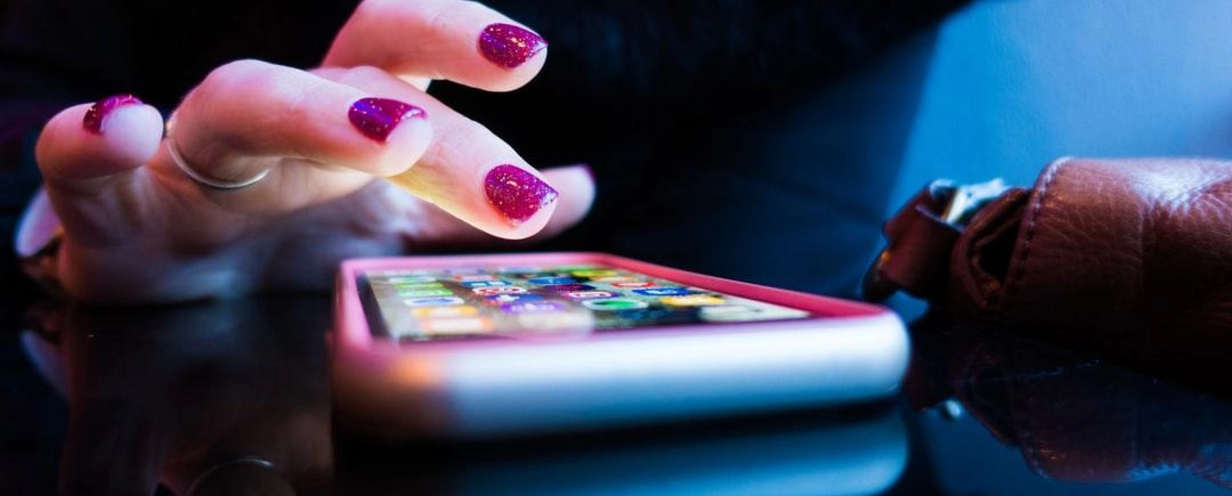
x=483 y=346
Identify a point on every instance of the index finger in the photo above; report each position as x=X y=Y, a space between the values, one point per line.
x=465 y=42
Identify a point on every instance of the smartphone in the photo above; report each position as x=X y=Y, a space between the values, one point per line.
x=489 y=346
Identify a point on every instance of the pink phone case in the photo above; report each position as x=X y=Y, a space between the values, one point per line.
x=847 y=352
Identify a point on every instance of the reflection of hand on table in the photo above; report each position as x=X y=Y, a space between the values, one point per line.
x=236 y=390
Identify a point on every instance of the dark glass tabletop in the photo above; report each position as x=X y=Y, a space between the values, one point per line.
x=234 y=398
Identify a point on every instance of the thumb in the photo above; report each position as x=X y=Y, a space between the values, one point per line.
x=89 y=156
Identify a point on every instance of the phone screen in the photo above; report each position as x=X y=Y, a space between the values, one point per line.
x=496 y=302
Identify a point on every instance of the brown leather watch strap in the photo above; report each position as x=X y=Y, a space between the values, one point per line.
x=920 y=239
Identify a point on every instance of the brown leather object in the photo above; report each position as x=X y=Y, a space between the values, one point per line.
x=1133 y=256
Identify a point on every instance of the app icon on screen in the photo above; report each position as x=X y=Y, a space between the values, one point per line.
x=549 y=281
x=693 y=300
x=663 y=292
x=533 y=307
x=412 y=286
x=496 y=290
x=456 y=325
x=586 y=295
x=444 y=312
x=421 y=293
x=634 y=284
x=614 y=304
x=463 y=271
x=475 y=277
x=595 y=273
x=568 y=287
x=409 y=279
x=434 y=302
x=510 y=298
x=571 y=268
x=580 y=321
x=485 y=284
x=523 y=269
x=612 y=279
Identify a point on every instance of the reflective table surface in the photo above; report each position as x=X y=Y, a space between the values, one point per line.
x=234 y=398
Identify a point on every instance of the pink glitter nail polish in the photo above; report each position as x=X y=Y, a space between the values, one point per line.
x=377 y=117
x=517 y=194
x=509 y=46
x=93 y=121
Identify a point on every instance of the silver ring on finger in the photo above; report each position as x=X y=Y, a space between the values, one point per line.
x=196 y=175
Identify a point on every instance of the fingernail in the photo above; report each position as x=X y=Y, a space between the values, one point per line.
x=517 y=194
x=509 y=46
x=377 y=117
x=93 y=121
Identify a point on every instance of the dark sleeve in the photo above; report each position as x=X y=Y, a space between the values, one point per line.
x=692 y=48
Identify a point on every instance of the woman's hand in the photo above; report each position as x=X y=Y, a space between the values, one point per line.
x=137 y=227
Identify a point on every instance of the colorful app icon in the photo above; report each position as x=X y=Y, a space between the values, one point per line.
x=510 y=298
x=434 y=302
x=612 y=279
x=568 y=287
x=475 y=278
x=613 y=304
x=444 y=312
x=423 y=293
x=663 y=292
x=463 y=271
x=456 y=325
x=409 y=279
x=570 y=321
x=693 y=300
x=495 y=290
x=414 y=286
x=551 y=281
x=485 y=284
x=533 y=307
x=571 y=268
x=534 y=275
x=587 y=295
x=521 y=269
x=594 y=273
x=635 y=284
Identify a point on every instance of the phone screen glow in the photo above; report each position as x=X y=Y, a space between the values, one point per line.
x=493 y=302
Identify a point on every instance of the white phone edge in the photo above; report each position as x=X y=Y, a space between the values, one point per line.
x=501 y=391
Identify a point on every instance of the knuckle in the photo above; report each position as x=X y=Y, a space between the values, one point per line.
x=362 y=76
x=226 y=80
x=235 y=72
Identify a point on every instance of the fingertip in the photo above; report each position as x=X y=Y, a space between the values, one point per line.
x=87 y=141
x=534 y=226
x=517 y=53
x=404 y=146
x=134 y=134
x=510 y=46
x=576 y=184
x=521 y=77
x=465 y=42
x=520 y=197
x=575 y=188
